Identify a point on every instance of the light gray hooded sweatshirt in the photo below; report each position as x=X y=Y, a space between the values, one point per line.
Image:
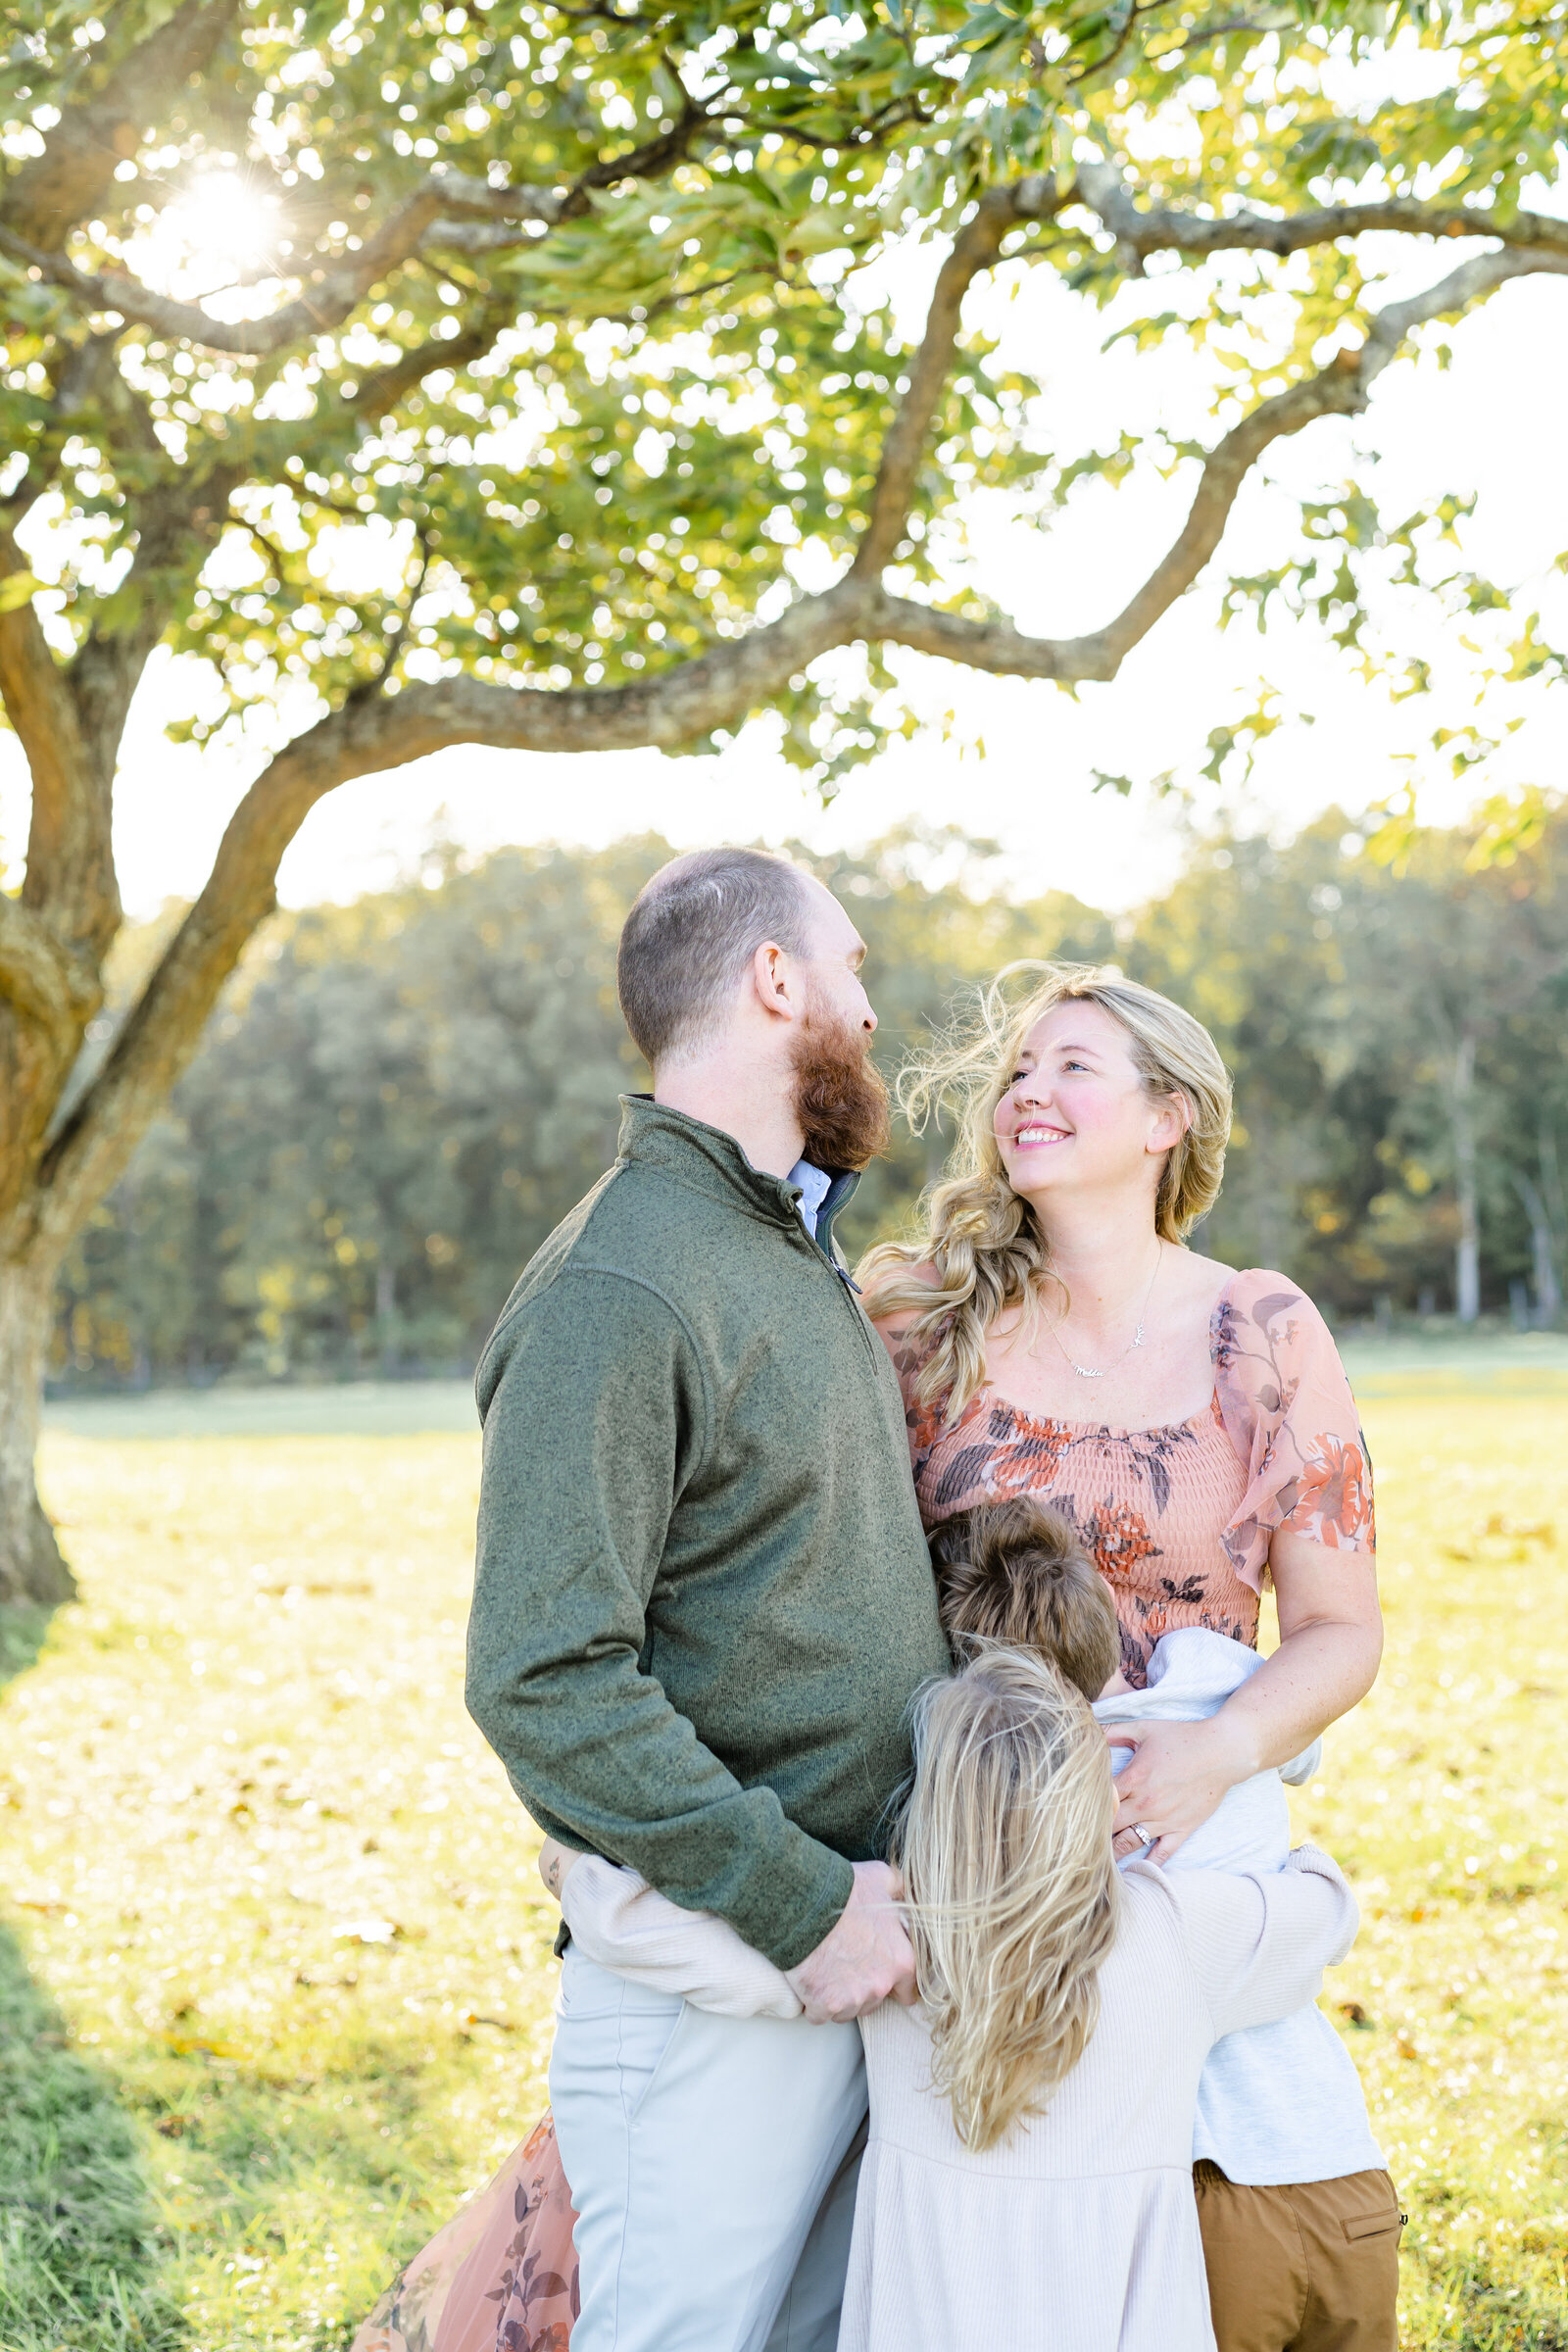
x=1278 y=2103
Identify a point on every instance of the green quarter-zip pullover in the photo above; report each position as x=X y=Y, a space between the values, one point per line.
x=703 y=1600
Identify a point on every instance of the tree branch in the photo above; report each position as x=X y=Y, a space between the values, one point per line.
x=64 y=185
x=362 y=738
x=477 y=238
x=378 y=731
x=69 y=867
x=1339 y=389
x=382 y=390
x=974 y=249
x=448 y=211
x=337 y=293
x=37 y=976
x=1157 y=230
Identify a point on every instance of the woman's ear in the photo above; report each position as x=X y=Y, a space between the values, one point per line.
x=1174 y=1118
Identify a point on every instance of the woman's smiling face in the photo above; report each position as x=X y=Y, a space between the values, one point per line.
x=1077 y=1112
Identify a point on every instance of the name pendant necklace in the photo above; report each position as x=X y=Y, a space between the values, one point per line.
x=1092 y=1372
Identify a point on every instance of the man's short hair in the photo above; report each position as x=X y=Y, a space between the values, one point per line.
x=690 y=935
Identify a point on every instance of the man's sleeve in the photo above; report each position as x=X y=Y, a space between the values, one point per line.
x=597 y=1419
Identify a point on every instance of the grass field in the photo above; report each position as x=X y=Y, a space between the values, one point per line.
x=274 y=1968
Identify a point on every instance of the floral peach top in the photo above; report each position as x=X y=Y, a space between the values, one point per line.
x=1179 y=1520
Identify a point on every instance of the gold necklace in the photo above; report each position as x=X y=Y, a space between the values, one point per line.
x=1088 y=1371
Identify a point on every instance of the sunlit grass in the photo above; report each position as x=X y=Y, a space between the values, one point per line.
x=290 y=1965
x=270 y=1871
x=1445 y=1796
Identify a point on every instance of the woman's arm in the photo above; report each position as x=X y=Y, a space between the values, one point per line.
x=1331 y=1640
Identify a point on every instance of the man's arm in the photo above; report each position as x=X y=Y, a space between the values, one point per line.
x=597 y=1420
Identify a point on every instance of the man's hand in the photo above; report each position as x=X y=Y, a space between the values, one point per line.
x=865 y=1958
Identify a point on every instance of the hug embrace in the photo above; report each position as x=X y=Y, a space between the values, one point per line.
x=877 y=1653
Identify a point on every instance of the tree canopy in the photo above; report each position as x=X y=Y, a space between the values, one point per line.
x=589 y=375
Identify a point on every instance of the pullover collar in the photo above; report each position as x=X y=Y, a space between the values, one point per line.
x=706 y=1156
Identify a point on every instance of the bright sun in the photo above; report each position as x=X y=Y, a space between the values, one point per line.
x=220 y=232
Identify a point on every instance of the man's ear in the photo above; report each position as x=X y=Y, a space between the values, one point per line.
x=777 y=981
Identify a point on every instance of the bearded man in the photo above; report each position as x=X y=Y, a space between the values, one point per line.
x=702 y=1604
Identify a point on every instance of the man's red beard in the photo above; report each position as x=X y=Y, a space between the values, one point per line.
x=839 y=1098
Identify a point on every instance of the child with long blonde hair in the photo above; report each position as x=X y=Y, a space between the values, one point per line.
x=1029 y=2173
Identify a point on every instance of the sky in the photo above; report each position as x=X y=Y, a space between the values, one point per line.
x=1482 y=425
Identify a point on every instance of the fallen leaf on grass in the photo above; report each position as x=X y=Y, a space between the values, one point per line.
x=317 y=1592
x=186 y=2045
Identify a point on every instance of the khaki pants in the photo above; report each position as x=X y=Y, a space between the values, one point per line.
x=713 y=2163
x=1312 y=2267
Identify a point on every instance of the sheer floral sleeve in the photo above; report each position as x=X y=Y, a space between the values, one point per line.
x=910 y=1353
x=1286 y=1406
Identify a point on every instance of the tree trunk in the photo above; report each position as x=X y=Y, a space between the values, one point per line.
x=1543 y=1250
x=386 y=1308
x=31 y=1568
x=1467 y=1266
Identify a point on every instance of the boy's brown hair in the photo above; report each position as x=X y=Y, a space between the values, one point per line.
x=1017 y=1572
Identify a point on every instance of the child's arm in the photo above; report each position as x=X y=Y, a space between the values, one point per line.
x=1261 y=1940
x=618 y=1918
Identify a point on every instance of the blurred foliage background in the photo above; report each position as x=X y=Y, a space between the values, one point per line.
x=398 y=1098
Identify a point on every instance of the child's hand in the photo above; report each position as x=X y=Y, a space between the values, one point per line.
x=1178 y=1774
x=555 y=1862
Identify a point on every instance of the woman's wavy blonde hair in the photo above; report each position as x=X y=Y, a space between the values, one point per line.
x=1013 y=1900
x=980 y=1236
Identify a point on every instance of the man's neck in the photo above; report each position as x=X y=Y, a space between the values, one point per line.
x=750 y=1104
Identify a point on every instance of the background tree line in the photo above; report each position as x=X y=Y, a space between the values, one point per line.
x=398 y=1098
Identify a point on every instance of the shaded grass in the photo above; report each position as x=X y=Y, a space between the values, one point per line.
x=23 y=1629
x=283 y=1897
x=81 y=2252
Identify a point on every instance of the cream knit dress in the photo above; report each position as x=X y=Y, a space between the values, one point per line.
x=1080 y=2233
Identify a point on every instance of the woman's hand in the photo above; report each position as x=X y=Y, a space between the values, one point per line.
x=1331 y=1637
x=1178 y=1774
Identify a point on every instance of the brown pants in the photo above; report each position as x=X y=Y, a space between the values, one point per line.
x=1308 y=2267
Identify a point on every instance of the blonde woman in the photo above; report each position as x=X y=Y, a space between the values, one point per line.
x=1056 y=1337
